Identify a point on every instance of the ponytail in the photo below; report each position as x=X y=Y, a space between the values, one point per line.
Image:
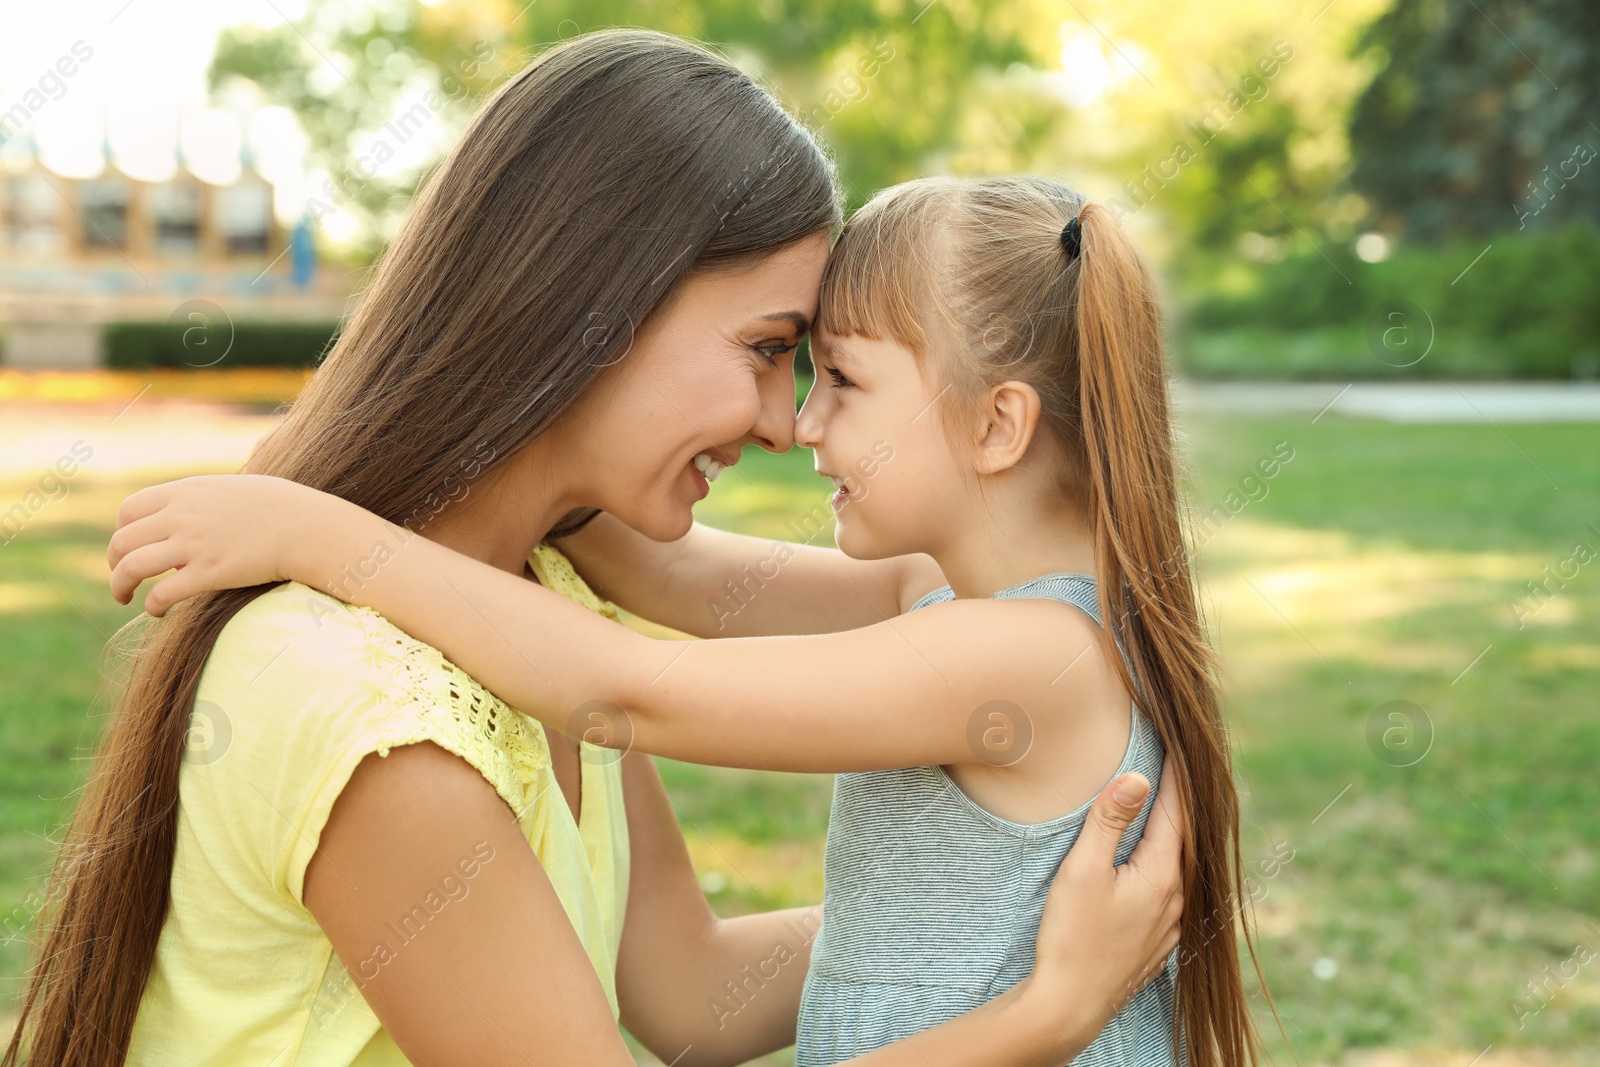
x=1148 y=602
x=1030 y=283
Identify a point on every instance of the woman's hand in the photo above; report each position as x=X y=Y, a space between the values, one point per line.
x=1107 y=931
x=219 y=531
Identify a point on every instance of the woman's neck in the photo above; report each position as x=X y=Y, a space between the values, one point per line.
x=504 y=514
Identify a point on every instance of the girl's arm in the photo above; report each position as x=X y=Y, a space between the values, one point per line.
x=904 y=692
x=713 y=583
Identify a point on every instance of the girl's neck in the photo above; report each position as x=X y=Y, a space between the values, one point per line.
x=999 y=554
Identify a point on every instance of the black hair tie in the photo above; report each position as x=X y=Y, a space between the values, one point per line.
x=1072 y=238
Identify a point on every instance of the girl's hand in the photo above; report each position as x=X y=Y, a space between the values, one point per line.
x=1107 y=931
x=220 y=531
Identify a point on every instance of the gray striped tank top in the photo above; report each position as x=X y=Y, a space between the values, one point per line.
x=931 y=904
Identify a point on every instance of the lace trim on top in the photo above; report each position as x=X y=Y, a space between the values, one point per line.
x=432 y=699
x=555 y=572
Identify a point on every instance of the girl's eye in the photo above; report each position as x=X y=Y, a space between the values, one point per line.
x=772 y=352
x=839 y=380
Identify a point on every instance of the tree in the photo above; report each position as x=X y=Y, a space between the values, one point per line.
x=1483 y=117
x=918 y=62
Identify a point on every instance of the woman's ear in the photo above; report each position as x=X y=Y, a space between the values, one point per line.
x=1007 y=423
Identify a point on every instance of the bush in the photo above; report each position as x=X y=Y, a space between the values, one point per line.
x=1529 y=308
x=1328 y=353
x=217 y=344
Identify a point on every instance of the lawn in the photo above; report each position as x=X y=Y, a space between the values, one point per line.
x=1444 y=864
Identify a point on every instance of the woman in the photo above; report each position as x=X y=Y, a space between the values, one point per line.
x=378 y=820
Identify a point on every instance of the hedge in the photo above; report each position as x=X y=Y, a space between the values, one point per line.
x=212 y=343
x=1528 y=308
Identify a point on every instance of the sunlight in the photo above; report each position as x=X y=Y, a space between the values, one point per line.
x=1085 y=75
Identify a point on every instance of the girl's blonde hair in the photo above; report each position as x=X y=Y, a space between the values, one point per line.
x=973 y=276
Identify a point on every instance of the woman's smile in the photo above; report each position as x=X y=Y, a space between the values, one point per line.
x=701 y=481
x=706 y=467
x=712 y=463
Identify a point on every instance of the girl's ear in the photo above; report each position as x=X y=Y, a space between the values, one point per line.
x=1007 y=423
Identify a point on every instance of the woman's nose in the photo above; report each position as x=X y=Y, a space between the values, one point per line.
x=808 y=424
x=774 y=428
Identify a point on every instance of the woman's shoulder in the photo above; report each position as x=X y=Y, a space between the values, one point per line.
x=299 y=688
x=291 y=613
x=293 y=639
x=308 y=675
x=295 y=636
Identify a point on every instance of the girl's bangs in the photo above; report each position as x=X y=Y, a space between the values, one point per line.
x=878 y=284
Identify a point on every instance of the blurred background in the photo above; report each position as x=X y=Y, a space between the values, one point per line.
x=1377 y=220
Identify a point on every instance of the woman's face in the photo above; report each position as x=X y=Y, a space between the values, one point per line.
x=708 y=373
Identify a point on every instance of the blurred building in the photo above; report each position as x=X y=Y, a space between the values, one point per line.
x=79 y=252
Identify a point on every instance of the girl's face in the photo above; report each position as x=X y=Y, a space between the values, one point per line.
x=873 y=419
x=708 y=373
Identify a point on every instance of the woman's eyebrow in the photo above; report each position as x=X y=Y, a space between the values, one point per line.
x=802 y=324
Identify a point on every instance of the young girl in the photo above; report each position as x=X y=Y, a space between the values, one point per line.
x=990 y=393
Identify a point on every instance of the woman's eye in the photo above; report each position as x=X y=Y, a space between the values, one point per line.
x=839 y=380
x=772 y=352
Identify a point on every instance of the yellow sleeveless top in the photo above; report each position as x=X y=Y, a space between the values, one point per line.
x=298 y=689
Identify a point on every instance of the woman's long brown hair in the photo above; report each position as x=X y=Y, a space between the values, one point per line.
x=582 y=192
x=1010 y=302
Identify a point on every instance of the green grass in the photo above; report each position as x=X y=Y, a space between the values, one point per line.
x=1440 y=889
x=1378 y=565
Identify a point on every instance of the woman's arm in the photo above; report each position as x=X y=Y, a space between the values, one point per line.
x=713 y=583
x=499 y=976
x=704 y=992
x=1106 y=931
x=678 y=958
x=903 y=692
